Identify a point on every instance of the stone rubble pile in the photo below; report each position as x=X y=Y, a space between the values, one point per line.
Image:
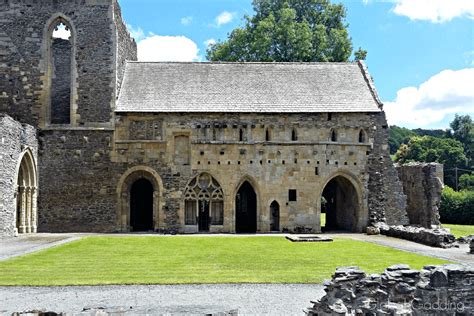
x=434 y=237
x=435 y=290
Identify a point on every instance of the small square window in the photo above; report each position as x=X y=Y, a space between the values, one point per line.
x=292 y=195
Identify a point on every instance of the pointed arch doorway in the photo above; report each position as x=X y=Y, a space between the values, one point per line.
x=246 y=209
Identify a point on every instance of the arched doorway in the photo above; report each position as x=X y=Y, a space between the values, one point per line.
x=246 y=209
x=274 y=216
x=26 y=195
x=341 y=205
x=139 y=197
x=141 y=205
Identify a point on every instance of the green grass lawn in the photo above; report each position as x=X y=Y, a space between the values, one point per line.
x=460 y=230
x=190 y=259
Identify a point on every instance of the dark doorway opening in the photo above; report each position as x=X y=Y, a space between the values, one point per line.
x=275 y=216
x=141 y=206
x=246 y=209
x=203 y=216
x=339 y=206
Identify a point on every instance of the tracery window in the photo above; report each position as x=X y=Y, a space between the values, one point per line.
x=204 y=197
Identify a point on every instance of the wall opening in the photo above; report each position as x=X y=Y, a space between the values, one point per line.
x=141 y=206
x=61 y=69
x=267 y=135
x=26 y=196
x=340 y=204
x=246 y=209
x=333 y=136
x=275 y=216
x=362 y=136
x=204 y=202
x=294 y=135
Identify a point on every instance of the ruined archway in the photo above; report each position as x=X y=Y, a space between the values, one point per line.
x=138 y=188
x=26 y=195
x=246 y=209
x=343 y=205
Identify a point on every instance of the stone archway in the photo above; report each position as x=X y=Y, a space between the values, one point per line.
x=246 y=209
x=137 y=189
x=26 y=195
x=343 y=207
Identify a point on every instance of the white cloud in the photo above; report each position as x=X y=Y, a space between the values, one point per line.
x=445 y=93
x=436 y=11
x=136 y=33
x=224 y=18
x=210 y=42
x=167 y=48
x=61 y=32
x=187 y=20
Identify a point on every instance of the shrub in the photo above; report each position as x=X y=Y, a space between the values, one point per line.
x=457 y=207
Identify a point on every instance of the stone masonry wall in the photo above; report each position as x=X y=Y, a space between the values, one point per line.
x=14 y=139
x=387 y=201
x=423 y=187
x=24 y=88
x=435 y=290
x=126 y=46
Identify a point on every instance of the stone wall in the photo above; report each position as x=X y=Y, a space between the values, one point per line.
x=422 y=184
x=100 y=46
x=387 y=201
x=435 y=290
x=126 y=45
x=15 y=138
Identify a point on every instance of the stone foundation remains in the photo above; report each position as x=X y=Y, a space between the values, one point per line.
x=435 y=290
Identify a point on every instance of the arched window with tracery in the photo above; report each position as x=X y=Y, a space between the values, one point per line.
x=204 y=202
x=61 y=71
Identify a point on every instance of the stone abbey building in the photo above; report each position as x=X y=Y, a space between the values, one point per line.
x=94 y=141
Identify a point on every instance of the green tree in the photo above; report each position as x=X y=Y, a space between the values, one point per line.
x=289 y=30
x=463 y=130
x=466 y=182
x=399 y=136
x=447 y=151
x=360 y=54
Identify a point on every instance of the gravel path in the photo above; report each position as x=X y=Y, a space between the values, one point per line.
x=246 y=299
x=24 y=244
x=459 y=255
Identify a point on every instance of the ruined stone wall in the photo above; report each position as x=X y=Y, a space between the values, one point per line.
x=15 y=138
x=126 y=45
x=423 y=187
x=25 y=76
x=387 y=202
x=272 y=167
x=435 y=290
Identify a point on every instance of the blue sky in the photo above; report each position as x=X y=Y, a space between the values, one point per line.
x=420 y=52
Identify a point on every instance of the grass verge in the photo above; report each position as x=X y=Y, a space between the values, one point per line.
x=190 y=259
x=460 y=230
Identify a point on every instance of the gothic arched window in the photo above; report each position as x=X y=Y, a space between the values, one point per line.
x=204 y=192
x=61 y=71
x=333 y=136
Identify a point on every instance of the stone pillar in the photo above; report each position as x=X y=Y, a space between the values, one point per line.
x=34 y=210
x=28 y=209
x=22 y=197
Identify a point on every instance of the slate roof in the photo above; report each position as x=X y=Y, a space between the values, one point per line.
x=247 y=88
